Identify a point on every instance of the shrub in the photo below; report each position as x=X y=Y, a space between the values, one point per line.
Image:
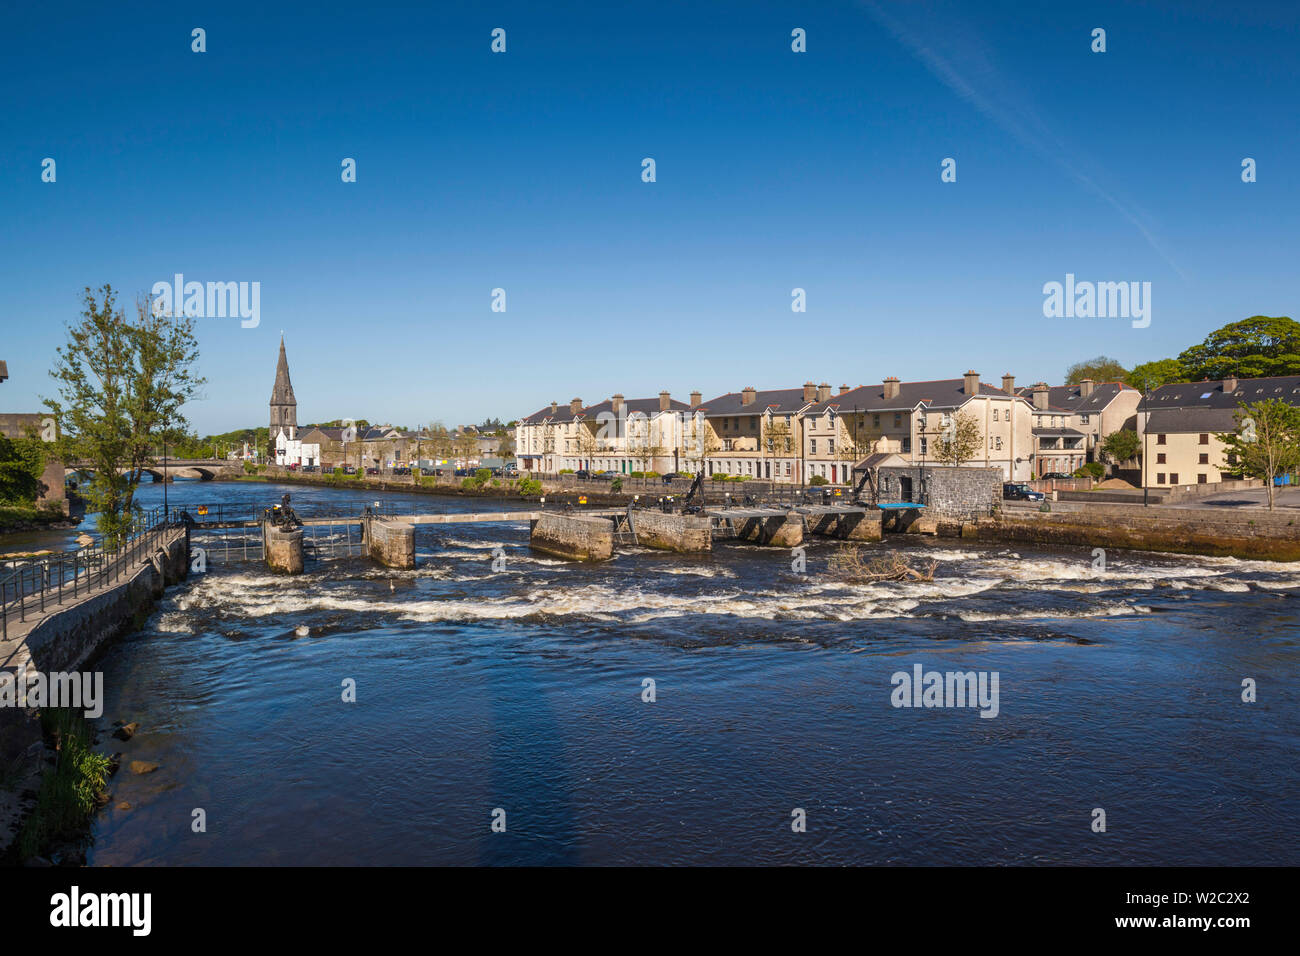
x=616 y=485
x=529 y=486
x=1092 y=469
x=719 y=476
x=482 y=475
x=565 y=471
x=817 y=480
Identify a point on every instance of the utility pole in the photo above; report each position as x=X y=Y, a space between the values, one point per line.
x=1146 y=430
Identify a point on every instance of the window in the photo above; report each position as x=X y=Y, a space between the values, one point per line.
x=1160 y=439
x=1173 y=477
x=830 y=446
x=1160 y=477
x=1083 y=419
x=998 y=443
x=907 y=445
x=875 y=421
x=995 y=414
x=1205 y=440
x=1204 y=459
x=813 y=443
x=1200 y=479
x=1160 y=458
x=925 y=445
x=898 y=419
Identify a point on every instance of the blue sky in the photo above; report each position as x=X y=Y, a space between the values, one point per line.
x=522 y=171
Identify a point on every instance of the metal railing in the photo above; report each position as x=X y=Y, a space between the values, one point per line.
x=32 y=585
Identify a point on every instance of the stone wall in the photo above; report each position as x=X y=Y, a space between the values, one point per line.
x=948 y=492
x=67 y=640
x=283 y=549
x=1255 y=535
x=391 y=543
x=681 y=533
x=578 y=537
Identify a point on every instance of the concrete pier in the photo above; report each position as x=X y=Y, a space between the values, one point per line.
x=283 y=548
x=577 y=537
x=779 y=531
x=685 y=534
x=391 y=543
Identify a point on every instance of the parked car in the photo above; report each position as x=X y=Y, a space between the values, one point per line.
x=1020 y=492
x=582 y=473
x=310 y=468
x=1057 y=475
x=605 y=475
x=668 y=478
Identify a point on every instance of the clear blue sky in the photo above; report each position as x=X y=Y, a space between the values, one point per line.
x=523 y=171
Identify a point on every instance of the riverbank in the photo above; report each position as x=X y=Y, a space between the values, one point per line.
x=66 y=638
x=15 y=519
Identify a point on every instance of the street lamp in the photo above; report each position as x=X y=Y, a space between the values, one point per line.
x=1146 y=430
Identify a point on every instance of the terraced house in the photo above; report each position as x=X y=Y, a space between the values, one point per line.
x=753 y=433
x=618 y=434
x=908 y=419
x=1180 y=425
x=1071 y=421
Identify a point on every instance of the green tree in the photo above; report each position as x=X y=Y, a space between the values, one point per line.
x=22 y=461
x=1120 y=446
x=959 y=441
x=1154 y=374
x=1267 y=441
x=1252 y=348
x=120 y=387
x=1103 y=368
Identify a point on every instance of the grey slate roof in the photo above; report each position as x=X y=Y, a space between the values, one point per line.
x=1212 y=394
x=942 y=393
x=1195 y=419
x=1070 y=398
x=782 y=401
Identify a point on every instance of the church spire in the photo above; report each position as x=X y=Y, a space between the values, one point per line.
x=284 y=407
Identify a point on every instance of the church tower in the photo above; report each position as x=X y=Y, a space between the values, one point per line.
x=284 y=407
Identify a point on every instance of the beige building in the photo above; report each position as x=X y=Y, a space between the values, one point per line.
x=910 y=419
x=752 y=433
x=618 y=434
x=1071 y=421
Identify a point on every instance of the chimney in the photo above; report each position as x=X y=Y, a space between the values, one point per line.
x=554 y=408
x=809 y=392
x=1040 y=395
x=824 y=392
x=1009 y=383
x=891 y=387
x=616 y=402
x=696 y=399
x=665 y=401
x=843 y=389
x=1229 y=385
x=972 y=386
x=575 y=406
x=1085 y=387
x=748 y=395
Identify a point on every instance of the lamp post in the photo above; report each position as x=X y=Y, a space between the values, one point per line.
x=1146 y=429
x=165 y=512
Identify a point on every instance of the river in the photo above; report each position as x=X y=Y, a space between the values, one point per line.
x=521 y=690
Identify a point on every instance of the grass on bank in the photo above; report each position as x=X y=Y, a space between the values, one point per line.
x=70 y=790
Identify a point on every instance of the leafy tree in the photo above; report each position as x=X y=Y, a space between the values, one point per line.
x=1252 y=348
x=1103 y=368
x=22 y=461
x=1157 y=373
x=1267 y=441
x=1120 y=446
x=960 y=441
x=120 y=387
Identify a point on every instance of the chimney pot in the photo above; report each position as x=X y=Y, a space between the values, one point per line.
x=1009 y=383
x=891 y=387
x=696 y=399
x=1085 y=387
x=1230 y=384
x=843 y=389
x=665 y=401
x=575 y=406
x=824 y=392
x=747 y=396
x=972 y=382
x=809 y=392
x=554 y=408
x=1040 y=395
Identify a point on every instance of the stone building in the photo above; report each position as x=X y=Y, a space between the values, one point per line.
x=284 y=407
